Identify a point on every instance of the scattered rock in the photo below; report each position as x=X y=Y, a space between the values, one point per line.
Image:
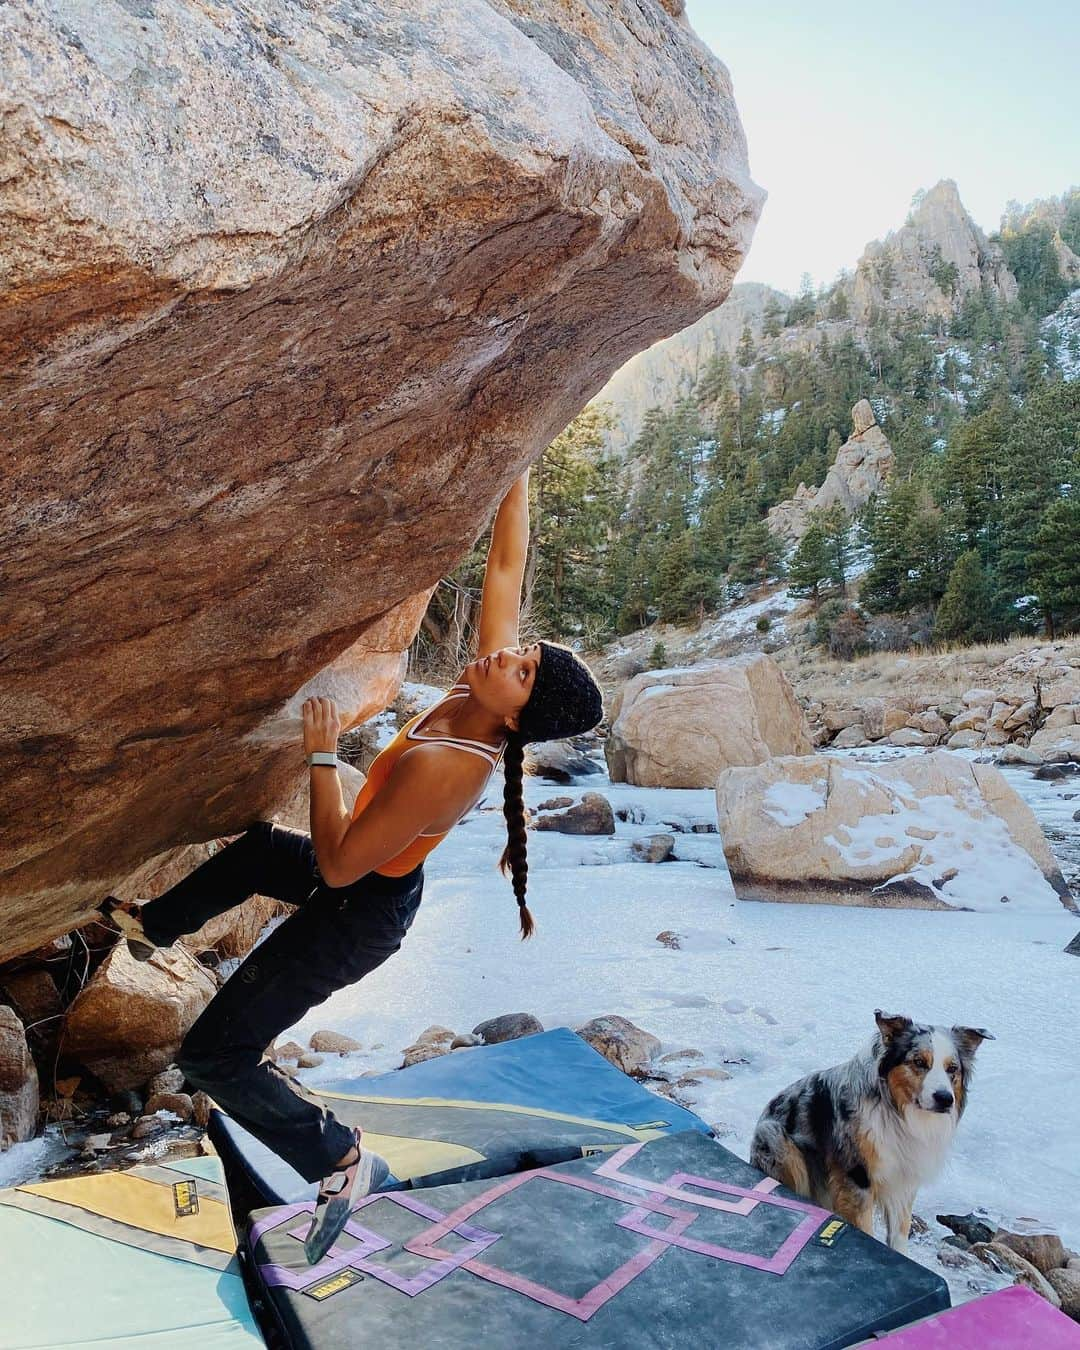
x=1045 y=1251
x=1066 y=1284
x=18 y=1082
x=1054 y=773
x=592 y=815
x=557 y=804
x=435 y=1035
x=309 y=1061
x=201 y=1106
x=147 y=1126
x=975 y=698
x=952 y=1257
x=627 y=1046
x=417 y=1054
x=465 y=1041
x=1019 y=754
x=970 y=1227
x=117 y=1119
x=720 y=1075
x=673 y=1056
x=930 y=722
x=179 y=1103
x=670 y=939
x=907 y=736
x=965 y=740
x=657 y=848
x=559 y=761
x=333 y=1043
x=508 y=1027
x=1007 y=1262
x=128 y=1022
x=168 y=1080
x=851 y=737
x=289 y=1051
x=958 y=1241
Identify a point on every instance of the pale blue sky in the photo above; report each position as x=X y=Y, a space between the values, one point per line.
x=850 y=107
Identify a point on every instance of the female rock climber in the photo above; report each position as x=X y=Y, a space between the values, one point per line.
x=356 y=881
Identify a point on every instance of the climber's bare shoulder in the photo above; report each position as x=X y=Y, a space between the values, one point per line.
x=450 y=780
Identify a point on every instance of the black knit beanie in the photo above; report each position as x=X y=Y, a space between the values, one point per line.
x=565 y=699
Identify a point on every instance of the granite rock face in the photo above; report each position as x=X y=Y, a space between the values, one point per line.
x=931 y=831
x=292 y=294
x=863 y=467
x=682 y=727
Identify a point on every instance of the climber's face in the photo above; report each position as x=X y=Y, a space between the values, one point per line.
x=502 y=681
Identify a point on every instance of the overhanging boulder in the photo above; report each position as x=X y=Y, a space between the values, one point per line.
x=292 y=295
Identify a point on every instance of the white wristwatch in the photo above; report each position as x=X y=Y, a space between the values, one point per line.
x=322 y=757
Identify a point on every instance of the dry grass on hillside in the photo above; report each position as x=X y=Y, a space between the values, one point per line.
x=944 y=673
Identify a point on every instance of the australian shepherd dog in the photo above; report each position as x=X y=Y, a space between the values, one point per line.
x=867 y=1134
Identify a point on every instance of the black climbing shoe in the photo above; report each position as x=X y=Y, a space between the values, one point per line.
x=125 y=915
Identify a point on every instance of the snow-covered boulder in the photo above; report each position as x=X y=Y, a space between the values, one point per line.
x=931 y=831
x=679 y=728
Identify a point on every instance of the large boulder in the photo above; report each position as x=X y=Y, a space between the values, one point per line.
x=18 y=1082
x=292 y=293
x=127 y=1024
x=680 y=728
x=933 y=831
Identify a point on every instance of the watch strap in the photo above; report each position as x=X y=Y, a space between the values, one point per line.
x=322 y=757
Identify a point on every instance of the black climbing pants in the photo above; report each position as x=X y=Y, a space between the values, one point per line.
x=333 y=938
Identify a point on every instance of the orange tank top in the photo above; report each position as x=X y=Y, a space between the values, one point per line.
x=385 y=760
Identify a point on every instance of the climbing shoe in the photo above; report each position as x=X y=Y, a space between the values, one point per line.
x=125 y=915
x=339 y=1194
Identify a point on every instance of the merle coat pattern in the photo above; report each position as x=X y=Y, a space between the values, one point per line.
x=868 y=1133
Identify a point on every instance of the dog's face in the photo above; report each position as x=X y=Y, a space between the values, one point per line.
x=927 y=1068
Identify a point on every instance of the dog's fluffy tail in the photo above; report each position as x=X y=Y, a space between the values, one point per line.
x=775 y=1153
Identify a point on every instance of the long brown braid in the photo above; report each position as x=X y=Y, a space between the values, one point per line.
x=514 y=854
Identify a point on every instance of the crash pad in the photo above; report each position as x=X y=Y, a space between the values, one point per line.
x=668 y=1242
x=477 y=1112
x=144 y=1257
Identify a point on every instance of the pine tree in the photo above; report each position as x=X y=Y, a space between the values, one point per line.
x=757 y=553
x=1054 y=565
x=966 y=610
x=808 y=570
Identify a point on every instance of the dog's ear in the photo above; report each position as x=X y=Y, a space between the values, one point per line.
x=968 y=1039
x=890 y=1027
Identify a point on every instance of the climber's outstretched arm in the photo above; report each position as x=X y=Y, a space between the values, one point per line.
x=500 y=604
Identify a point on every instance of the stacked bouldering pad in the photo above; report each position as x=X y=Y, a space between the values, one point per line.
x=672 y=1242
x=476 y=1113
x=145 y=1257
x=1011 y=1319
x=541 y=1196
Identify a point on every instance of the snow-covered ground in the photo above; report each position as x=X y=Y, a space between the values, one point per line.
x=770 y=992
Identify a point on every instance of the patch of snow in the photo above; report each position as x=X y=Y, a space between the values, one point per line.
x=790 y=803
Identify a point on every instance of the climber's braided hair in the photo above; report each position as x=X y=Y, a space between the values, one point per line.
x=565 y=700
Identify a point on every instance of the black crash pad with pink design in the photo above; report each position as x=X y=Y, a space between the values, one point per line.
x=672 y=1242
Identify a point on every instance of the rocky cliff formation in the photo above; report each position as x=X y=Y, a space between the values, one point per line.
x=670 y=369
x=291 y=295
x=928 y=265
x=863 y=465
x=931 y=263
